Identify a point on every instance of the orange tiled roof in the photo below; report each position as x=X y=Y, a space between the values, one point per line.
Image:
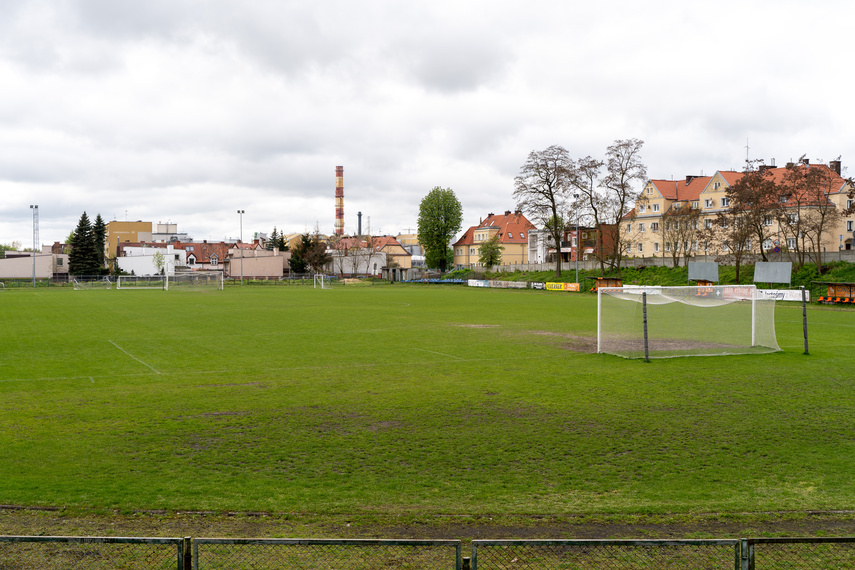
x=512 y=228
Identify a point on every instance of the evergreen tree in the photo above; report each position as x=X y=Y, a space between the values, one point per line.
x=83 y=258
x=274 y=240
x=99 y=234
x=297 y=262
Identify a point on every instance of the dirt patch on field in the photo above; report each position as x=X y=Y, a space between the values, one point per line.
x=576 y=343
x=30 y=522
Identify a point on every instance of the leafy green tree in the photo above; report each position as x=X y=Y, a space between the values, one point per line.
x=491 y=252
x=83 y=258
x=440 y=218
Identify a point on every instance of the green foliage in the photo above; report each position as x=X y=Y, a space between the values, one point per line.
x=440 y=218
x=83 y=258
x=491 y=252
x=298 y=263
x=99 y=236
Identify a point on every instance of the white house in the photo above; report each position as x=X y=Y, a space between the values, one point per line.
x=152 y=259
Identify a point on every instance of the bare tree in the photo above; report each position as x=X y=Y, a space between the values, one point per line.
x=681 y=232
x=623 y=170
x=541 y=190
x=585 y=181
x=806 y=213
x=756 y=196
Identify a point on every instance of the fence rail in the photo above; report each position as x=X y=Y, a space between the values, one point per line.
x=119 y=553
x=51 y=552
x=353 y=554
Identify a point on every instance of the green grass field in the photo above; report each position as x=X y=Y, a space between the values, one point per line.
x=406 y=399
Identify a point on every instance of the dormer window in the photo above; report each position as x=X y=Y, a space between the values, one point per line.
x=510 y=235
x=214 y=260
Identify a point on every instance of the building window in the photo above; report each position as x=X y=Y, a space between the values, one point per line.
x=654 y=226
x=767 y=244
x=59 y=259
x=792 y=218
x=188 y=248
x=709 y=203
x=655 y=207
x=767 y=220
x=214 y=260
x=667 y=246
x=695 y=204
x=641 y=228
x=725 y=202
x=791 y=243
x=716 y=185
x=707 y=224
x=522 y=235
x=471 y=251
x=642 y=208
x=510 y=235
x=850 y=203
x=656 y=247
x=640 y=248
x=850 y=226
x=628 y=228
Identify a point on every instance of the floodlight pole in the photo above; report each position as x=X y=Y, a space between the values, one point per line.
x=240 y=244
x=35 y=209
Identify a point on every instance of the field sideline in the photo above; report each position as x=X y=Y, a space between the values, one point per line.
x=406 y=399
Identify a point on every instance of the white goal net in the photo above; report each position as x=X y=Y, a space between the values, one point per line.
x=195 y=280
x=321 y=281
x=684 y=321
x=82 y=283
x=141 y=282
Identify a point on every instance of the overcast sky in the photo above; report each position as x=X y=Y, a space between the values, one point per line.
x=188 y=110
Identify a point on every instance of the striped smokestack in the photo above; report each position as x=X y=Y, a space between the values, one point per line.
x=339 y=200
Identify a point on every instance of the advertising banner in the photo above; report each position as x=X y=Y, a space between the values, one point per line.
x=478 y=283
x=782 y=294
x=562 y=286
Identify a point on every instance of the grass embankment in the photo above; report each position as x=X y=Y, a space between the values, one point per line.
x=405 y=401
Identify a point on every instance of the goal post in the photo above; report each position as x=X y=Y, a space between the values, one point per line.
x=195 y=281
x=321 y=281
x=151 y=282
x=81 y=283
x=685 y=321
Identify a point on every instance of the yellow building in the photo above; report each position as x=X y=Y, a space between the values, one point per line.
x=512 y=229
x=126 y=232
x=649 y=230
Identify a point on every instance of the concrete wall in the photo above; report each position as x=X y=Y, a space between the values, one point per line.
x=47 y=266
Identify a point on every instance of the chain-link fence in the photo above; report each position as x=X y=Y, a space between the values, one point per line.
x=261 y=554
x=53 y=552
x=611 y=554
x=780 y=553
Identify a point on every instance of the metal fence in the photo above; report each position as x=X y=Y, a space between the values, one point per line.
x=613 y=554
x=53 y=552
x=261 y=554
x=71 y=552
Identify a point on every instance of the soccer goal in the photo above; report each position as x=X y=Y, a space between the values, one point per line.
x=321 y=282
x=195 y=281
x=141 y=282
x=664 y=322
x=81 y=284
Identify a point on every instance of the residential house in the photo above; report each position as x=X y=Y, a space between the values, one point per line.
x=646 y=229
x=205 y=255
x=512 y=229
x=150 y=258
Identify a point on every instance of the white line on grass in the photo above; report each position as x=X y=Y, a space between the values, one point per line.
x=134 y=357
x=440 y=353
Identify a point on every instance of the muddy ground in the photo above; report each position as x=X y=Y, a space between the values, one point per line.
x=16 y=520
